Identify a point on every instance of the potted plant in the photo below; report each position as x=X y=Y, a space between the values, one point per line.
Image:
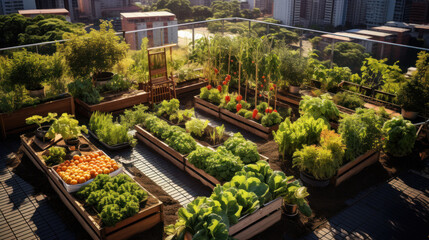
x=318 y=164
x=399 y=136
x=31 y=70
x=412 y=98
x=69 y=129
x=294 y=200
x=293 y=69
x=94 y=53
x=39 y=120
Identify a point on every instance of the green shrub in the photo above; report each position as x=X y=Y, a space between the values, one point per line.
x=400 y=136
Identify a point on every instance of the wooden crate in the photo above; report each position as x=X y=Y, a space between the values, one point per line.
x=159 y=146
x=190 y=85
x=144 y=220
x=207 y=107
x=116 y=105
x=257 y=222
x=14 y=122
x=247 y=124
x=356 y=166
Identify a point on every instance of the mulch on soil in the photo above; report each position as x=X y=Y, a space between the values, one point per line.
x=24 y=168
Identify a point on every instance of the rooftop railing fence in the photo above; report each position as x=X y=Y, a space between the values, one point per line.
x=190 y=32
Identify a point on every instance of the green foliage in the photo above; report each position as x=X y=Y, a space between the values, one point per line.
x=181 y=8
x=293 y=68
x=348 y=100
x=67 y=127
x=331 y=77
x=245 y=149
x=132 y=117
x=117 y=84
x=55 y=156
x=93 y=52
x=15 y=99
x=293 y=136
x=296 y=194
x=16 y=29
x=116 y=198
x=217 y=134
x=215 y=96
x=109 y=132
x=39 y=120
x=361 y=132
x=196 y=126
x=174 y=136
x=271 y=119
x=323 y=161
x=171 y=110
x=413 y=96
x=201 y=12
x=400 y=136
x=319 y=107
x=84 y=90
x=347 y=54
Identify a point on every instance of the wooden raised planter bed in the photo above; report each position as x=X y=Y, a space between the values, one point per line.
x=356 y=166
x=116 y=105
x=190 y=85
x=14 y=122
x=247 y=124
x=145 y=219
x=201 y=175
x=207 y=107
x=159 y=146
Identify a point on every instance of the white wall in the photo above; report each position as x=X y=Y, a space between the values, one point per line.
x=283 y=11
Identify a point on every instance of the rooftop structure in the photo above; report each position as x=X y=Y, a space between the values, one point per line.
x=56 y=11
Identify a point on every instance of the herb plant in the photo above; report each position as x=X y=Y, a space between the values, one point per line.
x=83 y=89
x=400 y=136
x=271 y=119
x=348 y=100
x=39 y=120
x=361 y=132
x=109 y=132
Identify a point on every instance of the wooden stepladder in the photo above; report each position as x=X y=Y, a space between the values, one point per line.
x=161 y=86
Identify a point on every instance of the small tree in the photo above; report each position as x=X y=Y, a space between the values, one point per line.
x=94 y=52
x=28 y=69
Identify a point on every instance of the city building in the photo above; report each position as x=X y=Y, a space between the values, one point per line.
x=346 y=37
x=144 y=20
x=419 y=12
x=311 y=12
x=93 y=10
x=356 y=13
x=401 y=36
x=379 y=50
x=56 y=11
x=13 y=6
x=287 y=11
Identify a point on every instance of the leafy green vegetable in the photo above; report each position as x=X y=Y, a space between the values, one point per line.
x=246 y=150
x=250 y=184
x=56 y=156
x=292 y=136
x=319 y=107
x=84 y=90
x=348 y=100
x=67 y=126
x=400 y=136
x=271 y=119
x=196 y=126
x=110 y=132
x=116 y=198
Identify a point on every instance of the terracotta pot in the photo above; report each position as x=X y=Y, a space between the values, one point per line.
x=72 y=142
x=37 y=93
x=311 y=181
x=294 y=89
x=409 y=114
x=102 y=78
x=41 y=132
x=291 y=210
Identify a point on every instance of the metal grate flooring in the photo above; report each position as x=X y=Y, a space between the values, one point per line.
x=398 y=209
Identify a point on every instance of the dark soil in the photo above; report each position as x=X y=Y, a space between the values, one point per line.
x=23 y=167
